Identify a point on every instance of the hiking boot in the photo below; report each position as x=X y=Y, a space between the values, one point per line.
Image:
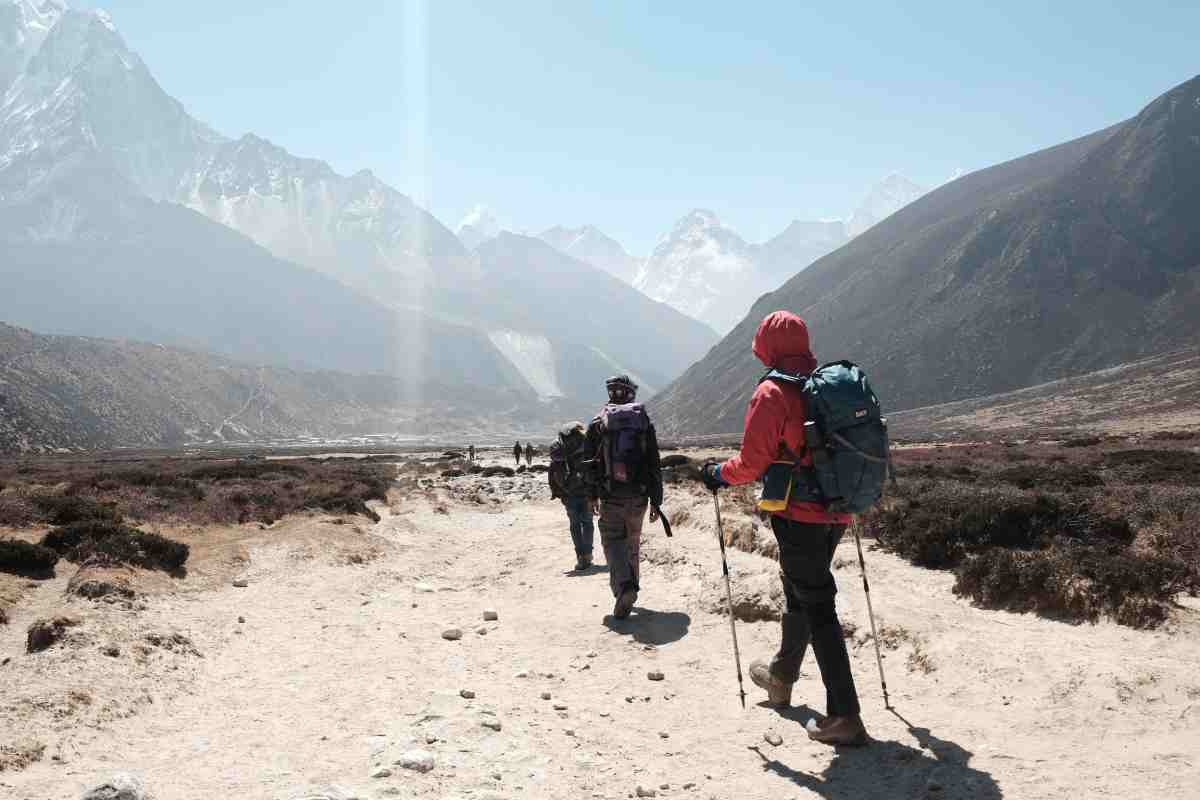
x=778 y=692
x=838 y=731
x=625 y=603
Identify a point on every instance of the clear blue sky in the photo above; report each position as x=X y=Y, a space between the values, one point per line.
x=628 y=114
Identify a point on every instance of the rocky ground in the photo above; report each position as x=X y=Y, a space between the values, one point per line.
x=326 y=657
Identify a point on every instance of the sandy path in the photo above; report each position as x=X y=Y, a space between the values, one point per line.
x=339 y=669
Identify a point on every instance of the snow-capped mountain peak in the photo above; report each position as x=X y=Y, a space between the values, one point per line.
x=24 y=25
x=591 y=245
x=478 y=226
x=886 y=198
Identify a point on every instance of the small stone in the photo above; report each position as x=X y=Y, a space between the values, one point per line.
x=481 y=630
x=522 y=674
x=690 y=785
x=545 y=695
x=381 y=772
x=644 y=792
x=628 y=698
x=655 y=675
x=772 y=738
x=241 y=620
x=592 y=654
x=933 y=785
x=664 y=786
x=121 y=787
x=493 y=724
x=604 y=713
x=112 y=651
x=240 y=583
x=560 y=706
x=569 y=731
x=664 y=735
x=430 y=738
x=467 y=694
x=490 y=615
x=424 y=588
x=452 y=634
x=417 y=760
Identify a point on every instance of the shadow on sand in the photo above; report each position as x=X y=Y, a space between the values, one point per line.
x=887 y=770
x=594 y=569
x=648 y=626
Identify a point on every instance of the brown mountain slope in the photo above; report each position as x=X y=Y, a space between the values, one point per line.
x=1073 y=259
x=84 y=393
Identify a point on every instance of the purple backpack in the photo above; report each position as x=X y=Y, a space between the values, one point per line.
x=624 y=450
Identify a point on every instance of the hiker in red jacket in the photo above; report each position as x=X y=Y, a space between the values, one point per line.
x=806 y=532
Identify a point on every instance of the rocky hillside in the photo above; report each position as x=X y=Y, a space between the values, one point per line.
x=65 y=392
x=1075 y=258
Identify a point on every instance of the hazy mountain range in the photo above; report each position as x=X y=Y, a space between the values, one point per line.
x=1075 y=258
x=122 y=215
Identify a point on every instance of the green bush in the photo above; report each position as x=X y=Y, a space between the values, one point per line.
x=25 y=558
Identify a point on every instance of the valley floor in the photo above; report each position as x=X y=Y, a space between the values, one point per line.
x=340 y=668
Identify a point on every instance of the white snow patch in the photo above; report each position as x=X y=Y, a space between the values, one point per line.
x=533 y=356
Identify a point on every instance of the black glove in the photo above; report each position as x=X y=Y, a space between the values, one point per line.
x=710 y=473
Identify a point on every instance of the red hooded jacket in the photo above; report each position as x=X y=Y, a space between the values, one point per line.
x=775 y=419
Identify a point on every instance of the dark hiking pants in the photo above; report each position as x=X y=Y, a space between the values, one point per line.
x=621 y=534
x=805 y=555
x=580 y=515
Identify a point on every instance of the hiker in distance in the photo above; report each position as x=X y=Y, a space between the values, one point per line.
x=568 y=484
x=807 y=533
x=517 y=452
x=471 y=453
x=626 y=478
x=529 y=454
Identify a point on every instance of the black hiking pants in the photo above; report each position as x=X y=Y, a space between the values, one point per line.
x=805 y=555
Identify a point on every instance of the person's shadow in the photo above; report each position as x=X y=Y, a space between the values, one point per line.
x=888 y=770
x=648 y=626
x=594 y=569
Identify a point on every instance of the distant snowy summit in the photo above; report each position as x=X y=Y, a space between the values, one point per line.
x=886 y=198
x=590 y=245
x=477 y=227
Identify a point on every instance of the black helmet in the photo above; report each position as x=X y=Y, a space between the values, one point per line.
x=621 y=387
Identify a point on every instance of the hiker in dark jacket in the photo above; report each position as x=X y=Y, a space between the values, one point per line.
x=806 y=532
x=517 y=452
x=626 y=478
x=568 y=484
x=529 y=454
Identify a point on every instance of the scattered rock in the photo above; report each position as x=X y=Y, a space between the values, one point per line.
x=240 y=583
x=424 y=588
x=491 y=723
x=644 y=792
x=44 y=633
x=690 y=785
x=772 y=738
x=655 y=675
x=482 y=630
x=522 y=674
x=452 y=634
x=20 y=755
x=112 y=651
x=490 y=615
x=560 y=706
x=569 y=731
x=381 y=772
x=664 y=735
x=416 y=760
x=241 y=620
x=545 y=695
x=121 y=787
x=592 y=654
x=467 y=694
x=430 y=738
x=95 y=583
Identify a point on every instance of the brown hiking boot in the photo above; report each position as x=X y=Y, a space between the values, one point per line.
x=625 y=603
x=838 y=731
x=778 y=692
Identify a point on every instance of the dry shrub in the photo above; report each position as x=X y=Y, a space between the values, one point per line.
x=113 y=543
x=1083 y=441
x=1156 y=466
x=24 y=558
x=1075 y=582
x=1062 y=477
x=69 y=509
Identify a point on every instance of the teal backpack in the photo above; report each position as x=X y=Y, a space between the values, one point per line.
x=846 y=435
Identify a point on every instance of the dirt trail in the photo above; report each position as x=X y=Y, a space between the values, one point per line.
x=341 y=668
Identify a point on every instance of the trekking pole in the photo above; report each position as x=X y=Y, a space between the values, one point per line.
x=871 y=613
x=737 y=656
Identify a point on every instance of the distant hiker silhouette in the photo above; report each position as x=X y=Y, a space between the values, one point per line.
x=517 y=453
